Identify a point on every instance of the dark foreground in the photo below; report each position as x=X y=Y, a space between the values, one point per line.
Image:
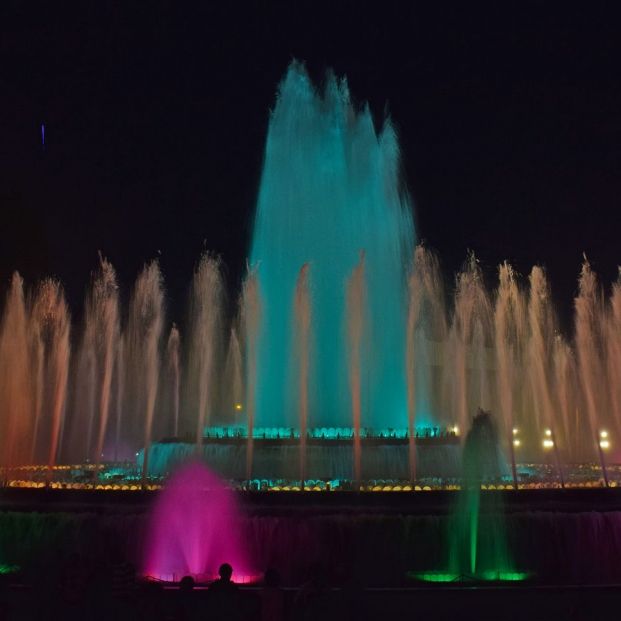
x=333 y=551
x=152 y=602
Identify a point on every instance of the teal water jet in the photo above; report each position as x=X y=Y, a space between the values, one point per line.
x=330 y=189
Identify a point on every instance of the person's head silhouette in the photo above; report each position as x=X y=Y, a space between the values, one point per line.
x=225 y=571
x=186 y=584
x=271 y=578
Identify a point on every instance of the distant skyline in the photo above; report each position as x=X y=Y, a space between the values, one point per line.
x=138 y=130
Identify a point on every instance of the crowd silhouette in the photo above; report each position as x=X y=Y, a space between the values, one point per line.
x=81 y=588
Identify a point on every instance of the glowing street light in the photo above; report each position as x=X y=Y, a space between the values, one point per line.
x=550 y=443
x=238 y=406
x=603 y=445
x=514 y=442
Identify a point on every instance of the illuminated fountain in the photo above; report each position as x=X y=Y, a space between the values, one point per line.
x=477 y=545
x=322 y=205
x=34 y=363
x=476 y=549
x=347 y=363
x=347 y=360
x=194 y=528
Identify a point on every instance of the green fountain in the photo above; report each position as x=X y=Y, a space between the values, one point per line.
x=476 y=537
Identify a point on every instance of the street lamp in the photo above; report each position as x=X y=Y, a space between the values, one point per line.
x=603 y=445
x=514 y=442
x=549 y=443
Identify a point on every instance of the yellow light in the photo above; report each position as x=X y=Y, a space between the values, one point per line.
x=604 y=444
x=603 y=434
x=547 y=444
x=456 y=430
x=548 y=432
x=516 y=442
x=515 y=431
x=238 y=406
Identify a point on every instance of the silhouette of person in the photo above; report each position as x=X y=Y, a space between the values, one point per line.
x=186 y=608
x=272 y=597
x=224 y=584
x=313 y=600
x=186 y=585
x=224 y=595
x=152 y=604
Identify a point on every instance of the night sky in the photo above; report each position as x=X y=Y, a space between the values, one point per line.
x=156 y=113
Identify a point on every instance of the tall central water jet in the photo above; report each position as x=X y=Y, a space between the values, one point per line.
x=330 y=187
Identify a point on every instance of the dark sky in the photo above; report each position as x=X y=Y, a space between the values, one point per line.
x=156 y=113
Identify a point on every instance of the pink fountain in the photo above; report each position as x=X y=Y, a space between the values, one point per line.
x=194 y=528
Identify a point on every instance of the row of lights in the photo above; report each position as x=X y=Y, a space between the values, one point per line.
x=448 y=487
x=24 y=483
x=314 y=488
x=59 y=467
x=548 y=441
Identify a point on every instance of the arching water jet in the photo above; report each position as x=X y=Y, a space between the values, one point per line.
x=356 y=316
x=303 y=317
x=145 y=328
x=251 y=315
